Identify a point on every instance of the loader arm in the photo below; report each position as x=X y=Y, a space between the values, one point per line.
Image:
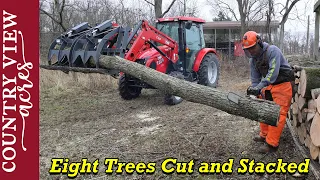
x=144 y=40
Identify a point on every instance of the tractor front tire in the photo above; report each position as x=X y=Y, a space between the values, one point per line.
x=126 y=89
x=171 y=99
x=209 y=71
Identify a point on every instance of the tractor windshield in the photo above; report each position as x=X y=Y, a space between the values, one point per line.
x=170 y=29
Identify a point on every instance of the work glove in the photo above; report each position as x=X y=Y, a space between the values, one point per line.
x=253 y=91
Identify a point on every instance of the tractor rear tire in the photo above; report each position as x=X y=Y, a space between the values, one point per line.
x=171 y=99
x=209 y=71
x=126 y=89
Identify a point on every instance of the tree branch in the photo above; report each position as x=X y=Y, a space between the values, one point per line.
x=49 y=15
x=149 y=2
x=60 y=14
x=164 y=13
x=229 y=8
x=286 y=14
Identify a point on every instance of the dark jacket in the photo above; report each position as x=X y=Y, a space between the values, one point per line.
x=271 y=67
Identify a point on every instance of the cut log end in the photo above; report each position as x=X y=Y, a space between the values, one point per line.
x=315 y=93
x=315 y=130
x=309 y=79
x=314 y=151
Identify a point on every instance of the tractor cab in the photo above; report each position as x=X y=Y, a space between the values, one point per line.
x=188 y=32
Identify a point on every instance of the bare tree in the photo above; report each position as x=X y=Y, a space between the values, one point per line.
x=285 y=14
x=249 y=10
x=57 y=7
x=157 y=4
x=269 y=14
x=184 y=8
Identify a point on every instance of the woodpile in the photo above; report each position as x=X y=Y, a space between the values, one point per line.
x=305 y=109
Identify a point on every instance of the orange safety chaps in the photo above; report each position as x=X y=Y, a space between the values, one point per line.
x=281 y=94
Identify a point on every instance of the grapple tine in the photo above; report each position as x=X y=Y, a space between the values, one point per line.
x=85 y=47
x=62 y=46
x=82 y=43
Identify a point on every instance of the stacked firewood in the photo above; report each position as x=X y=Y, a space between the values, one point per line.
x=305 y=109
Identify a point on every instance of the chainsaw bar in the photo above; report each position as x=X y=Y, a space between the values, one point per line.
x=233 y=97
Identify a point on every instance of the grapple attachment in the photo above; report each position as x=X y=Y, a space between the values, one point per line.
x=82 y=46
x=61 y=46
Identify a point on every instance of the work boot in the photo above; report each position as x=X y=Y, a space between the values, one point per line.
x=266 y=148
x=259 y=139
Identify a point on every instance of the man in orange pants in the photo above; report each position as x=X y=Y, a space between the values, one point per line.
x=270 y=77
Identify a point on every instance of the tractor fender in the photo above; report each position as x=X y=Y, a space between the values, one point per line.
x=200 y=55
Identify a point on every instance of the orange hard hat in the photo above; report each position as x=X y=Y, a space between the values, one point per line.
x=249 y=39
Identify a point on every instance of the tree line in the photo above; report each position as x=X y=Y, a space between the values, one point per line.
x=56 y=16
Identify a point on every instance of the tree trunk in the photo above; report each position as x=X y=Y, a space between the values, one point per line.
x=257 y=110
x=158 y=8
x=243 y=26
x=310 y=79
x=281 y=36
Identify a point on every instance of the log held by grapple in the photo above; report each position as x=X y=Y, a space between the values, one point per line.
x=256 y=110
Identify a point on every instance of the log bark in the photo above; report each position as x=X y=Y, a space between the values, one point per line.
x=315 y=93
x=289 y=115
x=297 y=68
x=302 y=116
x=300 y=134
x=308 y=125
x=315 y=130
x=257 y=110
x=303 y=130
x=309 y=79
x=66 y=69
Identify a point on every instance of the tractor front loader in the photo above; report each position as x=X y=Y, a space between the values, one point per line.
x=174 y=47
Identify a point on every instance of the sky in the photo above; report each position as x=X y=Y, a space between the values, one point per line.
x=303 y=9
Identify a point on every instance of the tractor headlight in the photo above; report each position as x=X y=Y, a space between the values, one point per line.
x=58 y=41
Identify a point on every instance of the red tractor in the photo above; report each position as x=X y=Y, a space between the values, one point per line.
x=175 y=46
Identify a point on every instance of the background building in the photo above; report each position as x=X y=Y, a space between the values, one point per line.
x=225 y=35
